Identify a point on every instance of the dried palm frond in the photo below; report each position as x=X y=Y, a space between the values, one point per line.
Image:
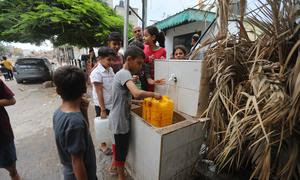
x=255 y=103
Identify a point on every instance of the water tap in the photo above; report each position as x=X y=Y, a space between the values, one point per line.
x=173 y=78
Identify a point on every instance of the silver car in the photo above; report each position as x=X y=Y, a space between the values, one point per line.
x=31 y=69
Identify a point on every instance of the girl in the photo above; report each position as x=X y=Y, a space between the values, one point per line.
x=153 y=52
x=179 y=52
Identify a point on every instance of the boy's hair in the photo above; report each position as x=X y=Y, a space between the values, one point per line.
x=105 y=52
x=138 y=44
x=91 y=49
x=183 y=48
x=134 y=52
x=70 y=82
x=114 y=36
x=4 y=57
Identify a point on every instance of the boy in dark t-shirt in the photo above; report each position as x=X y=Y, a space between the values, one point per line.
x=70 y=123
x=8 y=155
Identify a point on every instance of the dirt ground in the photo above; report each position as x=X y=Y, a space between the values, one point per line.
x=31 y=119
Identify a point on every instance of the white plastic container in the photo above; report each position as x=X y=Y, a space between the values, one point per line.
x=103 y=134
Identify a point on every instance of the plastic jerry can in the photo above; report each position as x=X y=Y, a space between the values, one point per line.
x=167 y=107
x=156 y=113
x=148 y=105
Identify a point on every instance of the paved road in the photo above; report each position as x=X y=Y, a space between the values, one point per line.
x=31 y=119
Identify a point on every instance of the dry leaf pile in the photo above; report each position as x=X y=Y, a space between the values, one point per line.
x=255 y=103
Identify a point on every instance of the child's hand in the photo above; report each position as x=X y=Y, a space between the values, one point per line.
x=84 y=103
x=135 y=78
x=157 y=96
x=103 y=114
x=150 y=81
x=160 y=82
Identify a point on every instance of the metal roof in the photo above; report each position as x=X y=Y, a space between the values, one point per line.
x=188 y=15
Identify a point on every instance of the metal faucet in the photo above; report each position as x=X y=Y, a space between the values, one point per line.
x=173 y=78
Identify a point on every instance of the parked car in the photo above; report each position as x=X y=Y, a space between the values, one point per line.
x=30 y=69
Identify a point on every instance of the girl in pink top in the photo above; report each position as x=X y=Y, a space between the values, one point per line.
x=153 y=52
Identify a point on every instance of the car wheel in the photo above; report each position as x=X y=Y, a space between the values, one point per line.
x=19 y=81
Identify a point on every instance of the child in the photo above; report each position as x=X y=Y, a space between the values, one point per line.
x=70 y=123
x=8 y=155
x=179 y=52
x=153 y=52
x=115 y=42
x=141 y=81
x=101 y=78
x=8 y=67
x=119 y=117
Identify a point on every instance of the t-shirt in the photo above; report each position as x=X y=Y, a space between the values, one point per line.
x=7 y=64
x=6 y=133
x=149 y=61
x=119 y=117
x=106 y=77
x=117 y=63
x=72 y=136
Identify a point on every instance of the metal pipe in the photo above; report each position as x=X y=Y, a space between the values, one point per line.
x=135 y=13
x=126 y=23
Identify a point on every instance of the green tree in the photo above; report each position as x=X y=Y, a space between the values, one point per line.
x=3 y=50
x=82 y=23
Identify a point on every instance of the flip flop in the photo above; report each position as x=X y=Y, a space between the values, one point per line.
x=107 y=152
x=112 y=172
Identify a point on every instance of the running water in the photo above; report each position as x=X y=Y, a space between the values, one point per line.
x=167 y=89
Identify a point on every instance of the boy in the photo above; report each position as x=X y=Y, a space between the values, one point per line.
x=101 y=78
x=8 y=155
x=114 y=42
x=119 y=118
x=71 y=128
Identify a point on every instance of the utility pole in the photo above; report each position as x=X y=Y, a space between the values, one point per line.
x=144 y=17
x=126 y=23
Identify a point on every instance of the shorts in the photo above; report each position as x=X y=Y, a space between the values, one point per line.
x=121 y=148
x=98 y=111
x=8 y=155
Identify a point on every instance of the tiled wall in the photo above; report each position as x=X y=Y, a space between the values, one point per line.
x=186 y=91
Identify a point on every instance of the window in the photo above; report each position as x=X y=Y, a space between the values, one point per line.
x=185 y=40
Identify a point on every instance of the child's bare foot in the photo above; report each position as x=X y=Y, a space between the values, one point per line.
x=112 y=170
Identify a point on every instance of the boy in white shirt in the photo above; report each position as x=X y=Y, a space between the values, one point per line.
x=101 y=78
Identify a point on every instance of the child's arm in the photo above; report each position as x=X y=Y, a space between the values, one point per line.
x=84 y=105
x=79 y=167
x=149 y=79
x=7 y=102
x=156 y=82
x=140 y=94
x=99 y=91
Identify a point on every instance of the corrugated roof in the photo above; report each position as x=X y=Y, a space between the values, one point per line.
x=188 y=15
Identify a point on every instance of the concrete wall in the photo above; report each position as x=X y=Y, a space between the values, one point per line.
x=133 y=19
x=163 y=153
x=182 y=30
